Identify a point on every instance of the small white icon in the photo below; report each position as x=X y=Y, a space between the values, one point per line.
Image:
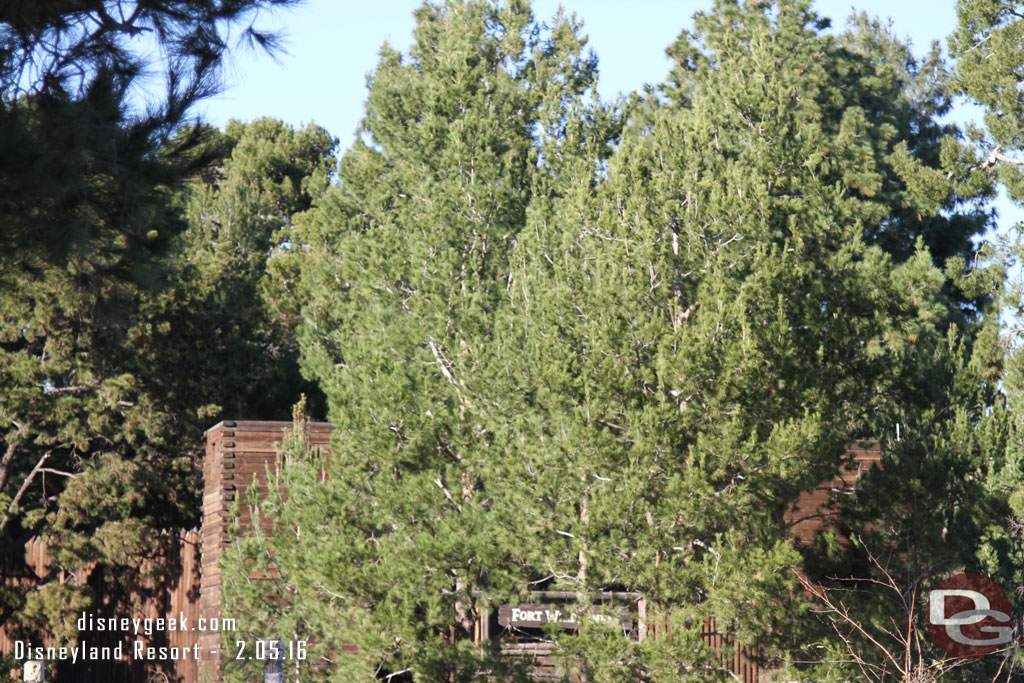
x=33 y=671
x=937 y=616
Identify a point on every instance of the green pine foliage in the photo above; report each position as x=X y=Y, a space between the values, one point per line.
x=746 y=304
x=85 y=159
x=406 y=267
x=217 y=317
x=109 y=384
x=589 y=347
x=568 y=344
x=987 y=47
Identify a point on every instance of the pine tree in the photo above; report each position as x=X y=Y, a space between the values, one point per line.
x=987 y=49
x=84 y=167
x=108 y=385
x=988 y=53
x=563 y=357
x=218 y=316
x=753 y=287
x=405 y=266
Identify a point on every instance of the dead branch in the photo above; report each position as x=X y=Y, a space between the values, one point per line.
x=16 y=501
x=838 y=608
x=442 y=362
x=994 y=157
x=5 y=463
x=447 y=494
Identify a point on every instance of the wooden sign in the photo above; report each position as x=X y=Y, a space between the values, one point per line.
x=532 y=615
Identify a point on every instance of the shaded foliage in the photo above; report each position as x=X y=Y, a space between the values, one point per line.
x=109 y=385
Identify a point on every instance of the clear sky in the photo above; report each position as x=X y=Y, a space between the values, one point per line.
x=331 y=45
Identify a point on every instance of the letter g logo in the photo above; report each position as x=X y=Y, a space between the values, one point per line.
x=962 y=615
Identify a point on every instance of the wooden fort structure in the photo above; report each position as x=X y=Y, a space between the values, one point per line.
x=239 y=452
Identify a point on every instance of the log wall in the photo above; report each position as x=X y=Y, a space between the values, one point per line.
x=237 y=453
x=172 y=594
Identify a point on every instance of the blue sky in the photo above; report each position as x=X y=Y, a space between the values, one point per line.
x=331 y=46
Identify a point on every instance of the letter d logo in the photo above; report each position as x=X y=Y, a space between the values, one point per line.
x=963 y=616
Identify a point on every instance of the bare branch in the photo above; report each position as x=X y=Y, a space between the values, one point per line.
x=994 y=157
x=16 y=501
x=821 y=593
x=447 y=493
x=50 y=391
x=5 y=463
x=442 y=362
x=58 y=472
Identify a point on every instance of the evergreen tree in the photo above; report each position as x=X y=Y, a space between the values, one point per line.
x=555 y=365
x=83 y=167
x=762 y=278
x=989 y=56
x=109 y=385
x=404 y=268
x=987 y=48
x=218 y=316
